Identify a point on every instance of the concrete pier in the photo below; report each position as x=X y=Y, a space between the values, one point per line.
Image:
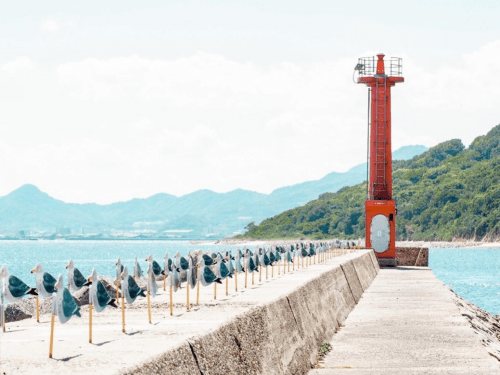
x=407 y=323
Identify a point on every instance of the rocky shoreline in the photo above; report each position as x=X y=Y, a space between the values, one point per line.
x=446 y=244
x=419 y=244
x=484 y=324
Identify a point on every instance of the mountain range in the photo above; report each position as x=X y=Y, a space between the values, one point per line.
x=201 y=214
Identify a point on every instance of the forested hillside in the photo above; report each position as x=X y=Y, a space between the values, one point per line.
x=447 y=192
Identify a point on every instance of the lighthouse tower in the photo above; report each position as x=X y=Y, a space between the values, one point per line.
x=380 y=207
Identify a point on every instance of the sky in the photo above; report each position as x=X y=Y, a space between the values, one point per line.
x=109 y=101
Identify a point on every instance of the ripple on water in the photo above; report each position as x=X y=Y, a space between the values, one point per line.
x=21 y=256
x=471 y=273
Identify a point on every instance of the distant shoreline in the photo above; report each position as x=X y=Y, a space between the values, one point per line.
x=194 y=241
x=449 y=245
x=250 y=242
x=428 y=244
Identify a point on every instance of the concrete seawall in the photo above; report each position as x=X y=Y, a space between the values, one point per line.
x=281 y=336
x=273 y=327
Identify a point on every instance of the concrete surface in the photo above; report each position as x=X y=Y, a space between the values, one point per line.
x=273 y=327
x=407 y=323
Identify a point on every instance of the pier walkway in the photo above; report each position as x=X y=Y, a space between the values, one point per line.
x=406 y=323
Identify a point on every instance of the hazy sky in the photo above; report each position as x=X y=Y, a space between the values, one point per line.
x=102 y=101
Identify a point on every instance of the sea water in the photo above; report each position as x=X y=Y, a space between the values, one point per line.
x=472 y=273
x=21 y=257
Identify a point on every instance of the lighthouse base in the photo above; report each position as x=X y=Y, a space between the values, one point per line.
x=387 y=262
x=381 y=230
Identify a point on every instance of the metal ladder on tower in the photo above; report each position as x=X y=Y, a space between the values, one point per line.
x=380 y=183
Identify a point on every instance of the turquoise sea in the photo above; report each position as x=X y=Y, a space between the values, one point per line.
x=21 y=257
x=472 y=273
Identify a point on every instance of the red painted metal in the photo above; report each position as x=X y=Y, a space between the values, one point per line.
x=388 y=209
x=380 y=151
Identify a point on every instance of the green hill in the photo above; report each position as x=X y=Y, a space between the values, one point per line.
x=445 y=193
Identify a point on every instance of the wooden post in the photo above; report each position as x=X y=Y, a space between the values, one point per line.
x=38 y=310
x=227 y=286
x=272 y=271
x=215 y=290
x=164 y=283
x=197 y=287
x=260 y=273
x=117 y=293
x=236 y=280
x=90 y=323
x=51 y=345
x=149 y=307
x=253 y=273
x=246 y=277
x=123 y=314
x=2 y=310
x=171 y=302
x=188 y=307
x=198 y=293
x=267 y=272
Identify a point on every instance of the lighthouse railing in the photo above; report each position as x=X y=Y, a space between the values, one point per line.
x=367 y=66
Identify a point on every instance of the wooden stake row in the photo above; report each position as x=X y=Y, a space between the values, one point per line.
x=321 y=257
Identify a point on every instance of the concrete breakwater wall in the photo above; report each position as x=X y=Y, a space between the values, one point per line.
x=412 y=256
x=280 y=334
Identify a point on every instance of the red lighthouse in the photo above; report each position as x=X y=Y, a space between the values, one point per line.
x=380 y=208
